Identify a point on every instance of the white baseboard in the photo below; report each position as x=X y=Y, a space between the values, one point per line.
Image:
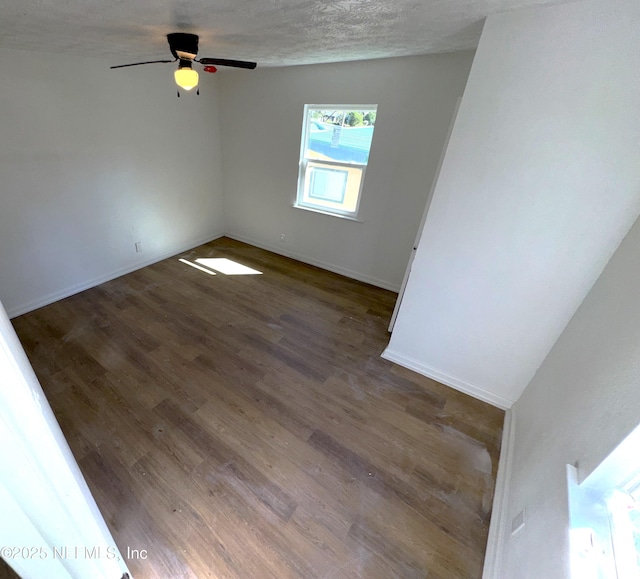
x=69 y=291
x=447 y=380
x=499 y=511
x=394 y=287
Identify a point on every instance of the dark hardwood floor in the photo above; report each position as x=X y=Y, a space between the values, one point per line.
x=7 y=572
x=246 y=426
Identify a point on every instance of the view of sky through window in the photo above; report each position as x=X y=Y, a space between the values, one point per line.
x=336 y=141
x=341 y=135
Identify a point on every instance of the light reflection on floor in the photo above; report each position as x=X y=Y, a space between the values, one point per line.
x=211 y=265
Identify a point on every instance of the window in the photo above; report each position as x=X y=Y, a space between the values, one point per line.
x=605 y=515
x=336 y=140
x=623 y=507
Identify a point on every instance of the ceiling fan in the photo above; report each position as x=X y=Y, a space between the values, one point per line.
x=184 y=48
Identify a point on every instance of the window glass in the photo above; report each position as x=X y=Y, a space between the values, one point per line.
x=336 y=142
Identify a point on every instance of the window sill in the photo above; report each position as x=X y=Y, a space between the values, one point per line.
x=348 y=217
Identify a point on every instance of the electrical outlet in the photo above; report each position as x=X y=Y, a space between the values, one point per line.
x=283 y=237
x=138 y=246
x=518 y=522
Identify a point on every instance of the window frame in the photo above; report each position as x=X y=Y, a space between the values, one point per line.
x=599 y=532
x=617 y=502
x=301 y=200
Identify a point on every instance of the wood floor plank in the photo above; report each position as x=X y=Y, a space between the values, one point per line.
x=245 y=425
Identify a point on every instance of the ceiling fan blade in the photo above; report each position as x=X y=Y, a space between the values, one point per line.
x=226 y=62
x=139 y=63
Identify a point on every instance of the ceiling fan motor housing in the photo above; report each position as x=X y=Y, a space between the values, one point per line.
x=183 y=46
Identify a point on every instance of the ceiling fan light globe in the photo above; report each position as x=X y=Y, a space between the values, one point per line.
x=186 y=78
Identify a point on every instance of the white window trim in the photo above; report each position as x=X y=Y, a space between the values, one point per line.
x=621 y=530
x=329 y=213
x=321 y=208
x=302 y=169
x=592 y=542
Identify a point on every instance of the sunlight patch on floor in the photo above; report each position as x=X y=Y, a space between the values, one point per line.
x=197 y=266
x=221 y=265
x=227 y=266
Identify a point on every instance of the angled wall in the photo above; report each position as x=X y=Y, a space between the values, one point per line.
x=539 y=185
x=581 y=404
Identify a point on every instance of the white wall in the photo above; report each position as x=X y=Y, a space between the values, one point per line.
x=93 y=160
x=583 y=401
x=45 y=502
x=539 y=185
x=261 y=117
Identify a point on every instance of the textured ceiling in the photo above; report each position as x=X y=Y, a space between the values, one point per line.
x=272 y=32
